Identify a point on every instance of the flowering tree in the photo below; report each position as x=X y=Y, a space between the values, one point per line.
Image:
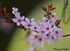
x=47 y=29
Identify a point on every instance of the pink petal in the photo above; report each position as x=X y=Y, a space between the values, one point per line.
x=23 y=23
x=14 y=9
x=22 y=18
x=17 y=15
x=18 y=23
x=14 y=20
x=45 y=18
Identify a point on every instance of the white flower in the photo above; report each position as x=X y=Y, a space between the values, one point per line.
x=19 y=20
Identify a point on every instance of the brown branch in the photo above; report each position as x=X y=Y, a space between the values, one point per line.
x=8 y=20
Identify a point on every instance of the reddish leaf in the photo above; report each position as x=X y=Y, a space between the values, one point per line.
x=2 y=11
x=44 y=9
x=57 y=22
x=53 y=8
x=49 y=7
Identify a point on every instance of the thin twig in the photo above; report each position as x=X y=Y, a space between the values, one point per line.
x=66 y=35
x=10 y=21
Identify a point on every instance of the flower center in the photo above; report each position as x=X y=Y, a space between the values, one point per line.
x=19 y=20
x=28 y=25
x=47 y=28
x=47 y=35
x=52 y=16
x=36 y=36
x=52 y=37
x=35 y=27
x=42 y=31
x=46 y=20
x=40 y=39
x=56 y=32
x=52 y=26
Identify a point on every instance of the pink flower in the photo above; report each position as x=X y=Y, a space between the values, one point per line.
x=35 y=40
x=14 y=10
x=46 y=29
x=29 y=22
x=35 y=28
x=19 y=20
x=45 y=19
x=52 y=40
x=58 y=33
x=53 y=17
x=53 y=36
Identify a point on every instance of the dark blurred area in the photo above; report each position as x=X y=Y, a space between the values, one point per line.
x=6 y=29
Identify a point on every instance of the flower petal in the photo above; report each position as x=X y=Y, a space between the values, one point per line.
x=18 y=23
x=23 y=23
x=22 y=18
x=14 y=20
x=14 y=9
x=17 y=15
x=26 y=19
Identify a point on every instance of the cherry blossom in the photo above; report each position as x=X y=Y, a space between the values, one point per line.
x=52 y=38
x=35 y=27
x=53 y=17
x=45 y=19
x=29 y=23
x=14 y=10
x=19 y=20
x=35 y=40
x=46 y=28
x=54 y=35
x=58 y=32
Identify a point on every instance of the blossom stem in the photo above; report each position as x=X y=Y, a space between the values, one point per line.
x=66 y=35
x=10 y=21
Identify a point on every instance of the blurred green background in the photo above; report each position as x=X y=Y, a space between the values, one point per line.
x=31 y=8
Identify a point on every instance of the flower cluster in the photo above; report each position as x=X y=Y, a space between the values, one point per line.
x=34 y=41
x=46 y=28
